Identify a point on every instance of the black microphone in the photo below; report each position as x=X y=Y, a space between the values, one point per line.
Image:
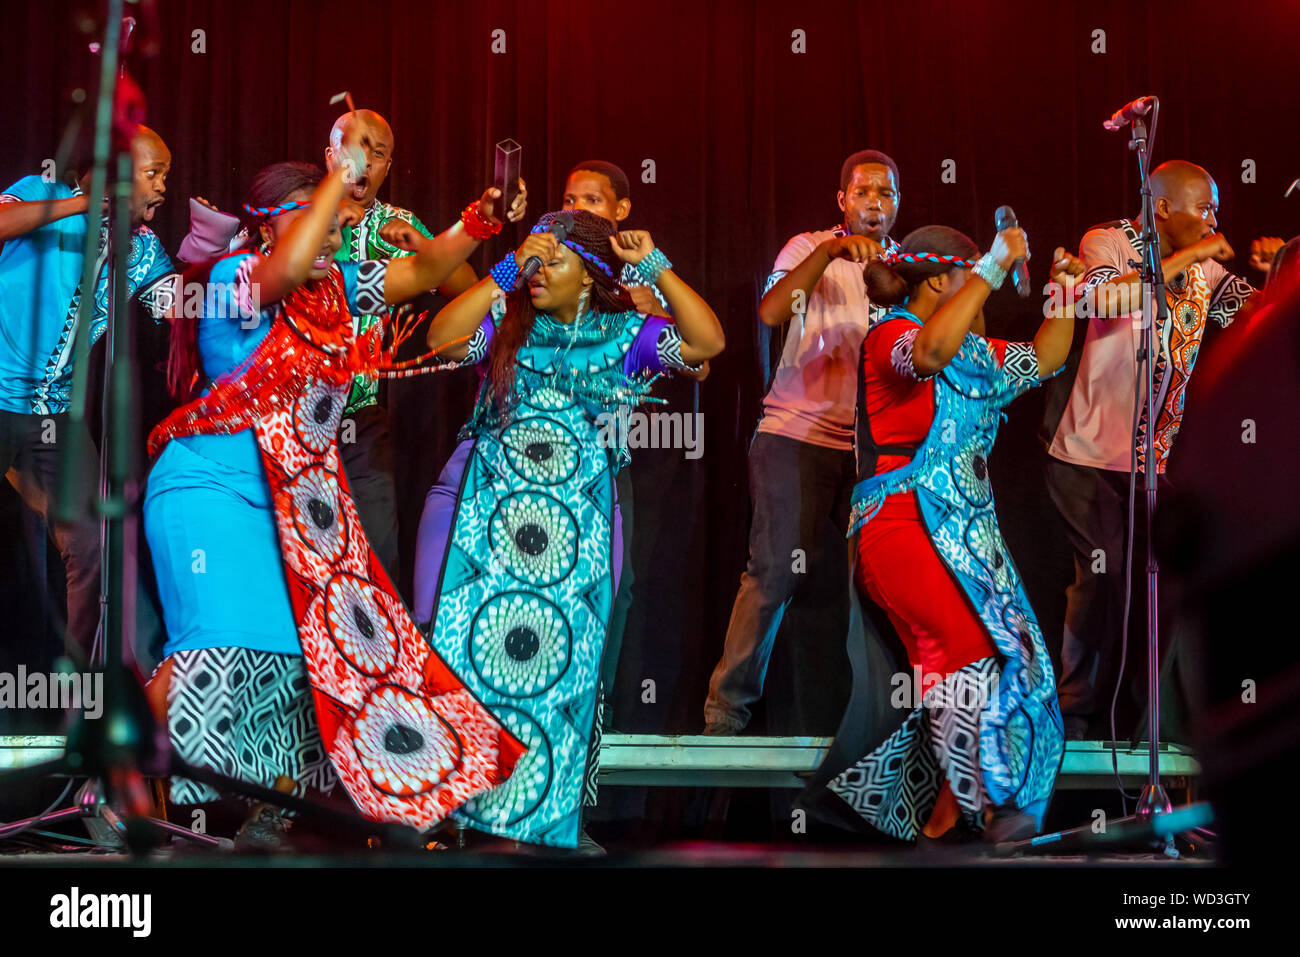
x=1129 y=112
x=1003 y=219
x=560 y=227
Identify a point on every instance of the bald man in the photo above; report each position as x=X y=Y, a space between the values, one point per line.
x=369 y=225
x=1092 y=448
x=43 y=225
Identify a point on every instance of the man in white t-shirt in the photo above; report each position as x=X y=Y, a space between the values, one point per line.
x=1093 y=447
x=801 y=461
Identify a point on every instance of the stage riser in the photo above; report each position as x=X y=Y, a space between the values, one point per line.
x=644 y=760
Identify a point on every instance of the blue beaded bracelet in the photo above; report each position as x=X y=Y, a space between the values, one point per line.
x=506 y=272
x=652 y=266
x=988 y=269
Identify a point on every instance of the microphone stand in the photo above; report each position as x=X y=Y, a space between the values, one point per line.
x=1155 y=313
x=1154 y=822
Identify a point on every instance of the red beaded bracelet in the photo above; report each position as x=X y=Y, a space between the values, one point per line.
x=476 y=224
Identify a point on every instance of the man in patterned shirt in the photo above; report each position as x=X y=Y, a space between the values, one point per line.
x=43 y=226
x=369 y=227
x=1092 y=448
x=801 y=461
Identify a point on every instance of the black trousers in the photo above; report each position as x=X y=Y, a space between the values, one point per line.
x=31 y=452
x=1093 y=503
x=367 y=454
x=797 y=488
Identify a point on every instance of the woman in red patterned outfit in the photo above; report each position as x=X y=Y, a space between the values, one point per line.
x=984 y=744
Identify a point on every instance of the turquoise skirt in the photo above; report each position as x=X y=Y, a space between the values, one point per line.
x=216 y=552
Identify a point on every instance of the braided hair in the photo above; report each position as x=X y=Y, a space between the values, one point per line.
x=270 y=187
x=590 y=232
x=890 y=284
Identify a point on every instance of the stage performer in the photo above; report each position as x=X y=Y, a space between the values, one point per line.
x=43 y=226
x=1092 y=448
x=289 y=653
x=371 y=230
x=983 y=735
x=801 y=456
x=518 y=553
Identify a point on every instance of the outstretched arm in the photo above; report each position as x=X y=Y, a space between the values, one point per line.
x=1052 y=343
x=19 y=218
x=437 y=259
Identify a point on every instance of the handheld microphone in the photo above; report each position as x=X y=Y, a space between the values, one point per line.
x=1005 y=218
x=1129 y=112
x=560 y=227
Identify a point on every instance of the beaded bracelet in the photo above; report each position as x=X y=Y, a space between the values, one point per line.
x=988 y=269
x=476 y=224
x=506 y=272
x=652 y=266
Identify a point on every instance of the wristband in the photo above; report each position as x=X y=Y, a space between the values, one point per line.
x=988 y=269
x=477 y=225
x=652 y=266
x=506 y=273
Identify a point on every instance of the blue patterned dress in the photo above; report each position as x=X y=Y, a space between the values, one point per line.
x=1006 y=747
x=527 y=577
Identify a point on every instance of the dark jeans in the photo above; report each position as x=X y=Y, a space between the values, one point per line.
x=368 y=463
x=796 y=488
x=1093 y=503
x=31 y=449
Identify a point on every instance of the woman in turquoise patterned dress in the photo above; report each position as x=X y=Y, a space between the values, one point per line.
x=518 y=552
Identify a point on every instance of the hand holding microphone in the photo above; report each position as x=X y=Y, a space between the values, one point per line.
x=539 y=248
x=1015 y=246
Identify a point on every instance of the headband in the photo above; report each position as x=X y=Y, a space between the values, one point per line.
x=895 y=255
x=544 y=224
x=257 y=212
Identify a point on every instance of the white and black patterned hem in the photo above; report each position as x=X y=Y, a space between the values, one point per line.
x=1228 y=298
x=669 y=348
x=1020 y=363
x=900 y=357
x=370 y=286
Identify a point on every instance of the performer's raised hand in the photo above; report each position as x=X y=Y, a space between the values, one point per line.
x=643 y=298
x=856 y=249
x=400 y=233
x=632 y=245
x=542 y=245
x=488 y=202
x=1262 y=251
x=350 y=212
x=1214 y=246
x=1010 y=245
x=1066 y=269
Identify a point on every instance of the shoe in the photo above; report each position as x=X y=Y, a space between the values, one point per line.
x=1009 y=824
x=265 y=831
x=962 y=832
x=717 y=730
x=587 y=847
x=1076 y=728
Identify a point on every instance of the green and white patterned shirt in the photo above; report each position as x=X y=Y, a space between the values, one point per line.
x=361 y=242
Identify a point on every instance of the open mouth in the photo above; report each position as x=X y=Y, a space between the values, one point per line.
x=322 y=260
x=360 y=186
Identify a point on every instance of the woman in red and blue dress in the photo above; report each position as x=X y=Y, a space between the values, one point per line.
x=289 y=654
x=983 y=744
